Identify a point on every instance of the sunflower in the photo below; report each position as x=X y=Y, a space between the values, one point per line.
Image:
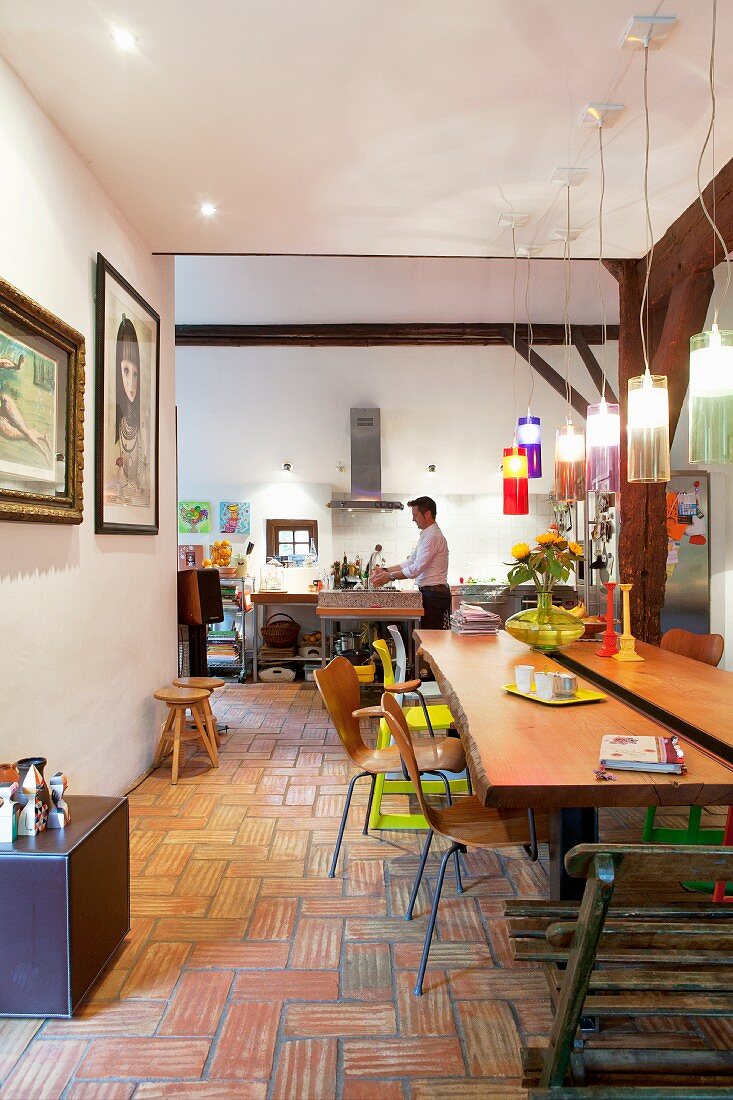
x=576 y=549
x=547 y=538
x=521 y=551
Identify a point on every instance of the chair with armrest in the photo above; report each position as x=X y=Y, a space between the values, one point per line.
x=626 y=962
x=467 y=823
x=339 y=687
x=429 y=689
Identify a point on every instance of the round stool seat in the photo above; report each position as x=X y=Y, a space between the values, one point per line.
x=211 y=683
x=181 y=696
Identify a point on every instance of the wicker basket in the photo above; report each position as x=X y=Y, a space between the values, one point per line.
x=280 y=634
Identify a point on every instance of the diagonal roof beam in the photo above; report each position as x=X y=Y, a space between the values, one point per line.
x=592 y=365
x=547 y=373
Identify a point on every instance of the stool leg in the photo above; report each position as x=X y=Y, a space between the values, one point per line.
x=164 y=738
x=177 y=728
x=208 y=745
x=210 y=723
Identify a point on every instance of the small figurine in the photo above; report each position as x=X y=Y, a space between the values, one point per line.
x=59 y=816
x=9 y=812
x=34 y=810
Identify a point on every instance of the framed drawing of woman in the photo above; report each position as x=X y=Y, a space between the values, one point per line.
x=126 y=399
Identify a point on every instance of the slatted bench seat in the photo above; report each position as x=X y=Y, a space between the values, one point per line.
x=624 y=962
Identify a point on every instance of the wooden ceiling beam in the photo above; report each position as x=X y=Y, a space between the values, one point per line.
x=374 y=335
x=547 y=373
x=688 y=245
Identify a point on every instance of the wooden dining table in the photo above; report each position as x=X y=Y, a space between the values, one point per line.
x=522 y=753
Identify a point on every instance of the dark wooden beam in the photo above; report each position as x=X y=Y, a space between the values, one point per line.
x=546 y=372
x=687 y=246
x=372 y=335
x=592 y=365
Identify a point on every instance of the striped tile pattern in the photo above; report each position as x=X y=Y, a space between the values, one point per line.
x=249 y=974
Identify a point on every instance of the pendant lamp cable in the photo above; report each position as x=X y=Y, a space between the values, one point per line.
x=568 y=335
x=649 y=234
x=600 y=263
x=530 y=333
x=514 y=329
x=710 y=139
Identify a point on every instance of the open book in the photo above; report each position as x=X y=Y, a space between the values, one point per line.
x=641 y=754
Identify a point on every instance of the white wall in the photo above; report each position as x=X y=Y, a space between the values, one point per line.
x=88 y=620
x=721 y=501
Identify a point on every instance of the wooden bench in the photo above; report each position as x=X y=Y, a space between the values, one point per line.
x=622 y=962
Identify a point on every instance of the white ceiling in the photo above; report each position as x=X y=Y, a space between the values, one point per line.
x=372 y=127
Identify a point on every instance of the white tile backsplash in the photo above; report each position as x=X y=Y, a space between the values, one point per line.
x=479 y=536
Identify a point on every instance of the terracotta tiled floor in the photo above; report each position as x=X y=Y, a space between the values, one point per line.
x=249 y=974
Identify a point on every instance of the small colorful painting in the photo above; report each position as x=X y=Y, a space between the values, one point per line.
x=234 y=517
x=193 y=517
x=27 y=411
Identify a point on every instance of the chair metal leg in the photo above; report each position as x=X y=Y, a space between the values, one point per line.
x=342 y=826
x=469 y=784
x=456 y=857
x=365 y=830
x=446 y=784
x=425 y=711
x=531 y=848
x=418 y=877
x=433 y=914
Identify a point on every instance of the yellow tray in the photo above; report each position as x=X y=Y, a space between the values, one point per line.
x=583 y=695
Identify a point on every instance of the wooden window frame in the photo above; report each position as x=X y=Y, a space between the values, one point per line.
x=273 y=528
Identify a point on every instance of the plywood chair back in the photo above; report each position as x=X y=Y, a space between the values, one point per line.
x=339 y=688
x=395 y=719
x=707 y=648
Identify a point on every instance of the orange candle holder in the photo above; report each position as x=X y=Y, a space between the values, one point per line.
x=627 y=642
x=610 y=637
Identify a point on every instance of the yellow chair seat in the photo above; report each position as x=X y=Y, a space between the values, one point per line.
x=440 y=717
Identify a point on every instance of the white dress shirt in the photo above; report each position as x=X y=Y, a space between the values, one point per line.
x=428 y=562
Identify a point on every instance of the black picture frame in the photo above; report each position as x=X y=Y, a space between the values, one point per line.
x=127 y=408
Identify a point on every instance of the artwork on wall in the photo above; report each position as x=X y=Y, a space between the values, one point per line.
x=126 y=400
x=194 y=517
x=41 y=412
x=234 y=517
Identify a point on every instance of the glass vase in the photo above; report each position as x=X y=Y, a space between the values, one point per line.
x=544 y=627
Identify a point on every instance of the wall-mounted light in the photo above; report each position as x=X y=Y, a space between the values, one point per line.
x=123 y=39
x=432 y=468
x=287 y=467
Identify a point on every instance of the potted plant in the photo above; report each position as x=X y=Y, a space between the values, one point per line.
x=551 y=561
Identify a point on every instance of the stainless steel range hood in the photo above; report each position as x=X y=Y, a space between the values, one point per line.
x=366 y=465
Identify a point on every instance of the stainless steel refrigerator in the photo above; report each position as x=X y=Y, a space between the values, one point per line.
x=687 y=595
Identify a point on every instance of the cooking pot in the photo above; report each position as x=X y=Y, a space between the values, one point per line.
x=347 y=641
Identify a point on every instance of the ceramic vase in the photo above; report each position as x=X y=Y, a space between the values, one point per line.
x=544 y=627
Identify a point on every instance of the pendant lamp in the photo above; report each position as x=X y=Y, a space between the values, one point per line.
x=514 y=477
x=603 y=455
x=711 y=397
x=529 y=437
x=647 y=429
x=569 y=463
x=711 y=353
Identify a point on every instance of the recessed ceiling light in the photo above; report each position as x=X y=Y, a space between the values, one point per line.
x=207 y=209
x=124 y=40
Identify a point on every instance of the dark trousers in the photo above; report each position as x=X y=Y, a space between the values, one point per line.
x=436 y=601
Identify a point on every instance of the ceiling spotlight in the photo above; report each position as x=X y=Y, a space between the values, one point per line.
x=124 y=40
x=432 y=468
x=650 y=31
x=287 y=467
x=207 y=209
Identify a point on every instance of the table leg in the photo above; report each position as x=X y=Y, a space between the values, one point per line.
x=324 y=629
x=569 y=827
x=255 y=642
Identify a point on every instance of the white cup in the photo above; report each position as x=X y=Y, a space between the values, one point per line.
x=545 y=684
x=523 y=677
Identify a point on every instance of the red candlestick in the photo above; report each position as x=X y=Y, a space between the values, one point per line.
x=610 y=638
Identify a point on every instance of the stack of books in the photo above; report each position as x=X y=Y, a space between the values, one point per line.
x=471 y=619
x=222 y=647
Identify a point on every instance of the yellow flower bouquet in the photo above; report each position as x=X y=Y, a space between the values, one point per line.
x=550 y=561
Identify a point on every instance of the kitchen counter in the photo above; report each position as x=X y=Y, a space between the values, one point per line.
x=370 y=599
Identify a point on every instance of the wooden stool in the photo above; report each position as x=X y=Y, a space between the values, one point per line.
x=210 y=683
x=179 y=700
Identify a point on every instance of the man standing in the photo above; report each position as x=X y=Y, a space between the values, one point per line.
x=427 y=564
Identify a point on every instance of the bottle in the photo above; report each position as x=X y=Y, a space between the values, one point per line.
x=344 y=570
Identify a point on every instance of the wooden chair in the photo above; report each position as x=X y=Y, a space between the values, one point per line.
x=468 y=823
x=174 y=732
x=340 y=691
x=428 y=688
x=210 y=684
x=707 y=648
x=627 y=962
